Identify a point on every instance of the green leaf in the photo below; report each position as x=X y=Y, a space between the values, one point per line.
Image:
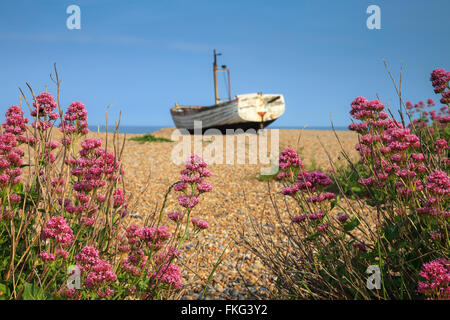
x=32 y=292
x=391 y=232
x=352 y=224
x=312 y=237
x=4 y=292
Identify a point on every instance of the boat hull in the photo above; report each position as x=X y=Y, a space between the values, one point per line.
x=246 y=111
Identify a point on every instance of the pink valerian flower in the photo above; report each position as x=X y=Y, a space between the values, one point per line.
x=130 y=234
x=62 y=253
x=47 y=256
x=44 y=111
x=154 y=237
x=363 y=109
x=436 y=236
x=119 y=200
x=87 y=258
x=94 y=167
x=289 y=158
x=298 y=219
x=440 y=146
x=175 y=216
x=322 y=227
x=188 y=201
x=342 y=217
x=100 y=274
x=75 y=120
x=135 y=262
x=67 y=293
x=359 y=127
x=438 y=183
x=193 y=181
x=291 y=191
x=199 y=224
x=204 y=186
x=168 y=274
x=15 y=123
x=445 y=97
x=167 y=256
x=321 y=197
x=180 y=186
x=57 y=229
x=14 y=198
x=439 y=79
x=316 y=215
x=10 y=160
x=318 y=178
x=435 y=282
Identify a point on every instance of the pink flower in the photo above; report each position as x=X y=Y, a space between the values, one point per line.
x=58 y=230
x=435 y=282
x=188 y=201
x=439 y=79
x=200 y=224
x=75 y=119
x=288 y=158
x=169 y=274
x=322 y=227
x=15 y=122
x=438 y=182
x=87 y=258
x=175 y=216
x=298 y=219
x=342 y=217
x=46 y=256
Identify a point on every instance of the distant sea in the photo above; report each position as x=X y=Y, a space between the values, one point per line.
x=150 y=129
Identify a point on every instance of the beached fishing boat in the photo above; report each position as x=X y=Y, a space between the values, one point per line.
x=253 y=110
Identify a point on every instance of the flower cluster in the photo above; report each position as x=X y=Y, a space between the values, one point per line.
x=98 y=273
x=44 y=111
x=60 y=236
x=10 y=160
x=199 y=224
x=75 y=120
x=169 y=274
x=92 y=171
x=435 y=283
x=136 y=240
x=288 y=159
x=193 y=182
x=15 y=123
x=58 y=230
x=312 y=183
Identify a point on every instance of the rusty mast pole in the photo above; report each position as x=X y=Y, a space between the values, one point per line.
x=216 y=90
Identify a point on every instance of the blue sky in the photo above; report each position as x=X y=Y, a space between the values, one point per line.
x=143 y=56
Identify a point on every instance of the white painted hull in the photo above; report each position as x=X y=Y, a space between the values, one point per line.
x=245 y=109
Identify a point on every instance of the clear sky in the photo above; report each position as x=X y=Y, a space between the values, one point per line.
x=143 y=56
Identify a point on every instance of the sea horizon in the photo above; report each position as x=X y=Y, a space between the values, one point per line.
x=137 y=129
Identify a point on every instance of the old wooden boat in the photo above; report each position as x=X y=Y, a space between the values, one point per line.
x=244 y=111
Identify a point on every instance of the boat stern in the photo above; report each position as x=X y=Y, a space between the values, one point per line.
x=258 y=107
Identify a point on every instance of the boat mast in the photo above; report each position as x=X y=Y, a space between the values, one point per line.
x=216 y=89
x=215 y=69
